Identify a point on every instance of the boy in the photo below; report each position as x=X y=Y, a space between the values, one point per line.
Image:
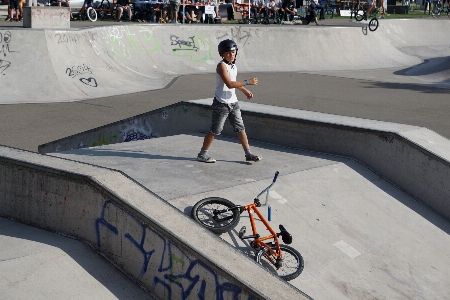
x=225 y=104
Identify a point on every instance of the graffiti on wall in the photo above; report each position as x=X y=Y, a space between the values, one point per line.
x=168 y=269
x=82 y=70
x=5 y=49
x=123 y=43
x=195 y=47
x=136 y=129
x=240 y=34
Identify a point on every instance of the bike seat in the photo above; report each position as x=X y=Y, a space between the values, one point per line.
x=285 y=235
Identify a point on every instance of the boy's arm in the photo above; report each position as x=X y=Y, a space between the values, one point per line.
x=222 y=71
x=246 y=92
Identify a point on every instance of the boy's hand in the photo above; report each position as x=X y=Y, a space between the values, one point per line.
x=248 y=94
x=253 y=81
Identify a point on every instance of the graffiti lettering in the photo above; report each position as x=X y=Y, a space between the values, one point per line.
x=66 y=38
x=183 y=45
x=4 y=65
x=239 y=34
x=175 y=274
x=136 y=130
x=5 y=39
x=74 y=71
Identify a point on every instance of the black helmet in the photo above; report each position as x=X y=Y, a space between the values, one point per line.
x=227 y=45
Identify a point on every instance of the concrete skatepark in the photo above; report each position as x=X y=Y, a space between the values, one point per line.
x=365 y=200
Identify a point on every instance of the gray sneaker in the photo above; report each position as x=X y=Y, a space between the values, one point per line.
x=206 y=159
x=253 y=158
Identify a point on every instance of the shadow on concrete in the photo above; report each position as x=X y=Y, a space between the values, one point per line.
x=86 y=257
x=421 y=88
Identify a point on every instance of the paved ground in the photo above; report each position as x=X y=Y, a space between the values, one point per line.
x=401 y=257
x=355 y=231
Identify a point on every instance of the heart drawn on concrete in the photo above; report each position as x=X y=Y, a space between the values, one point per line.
x=89 y=81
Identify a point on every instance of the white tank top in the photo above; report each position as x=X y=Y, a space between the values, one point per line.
x=223 y=93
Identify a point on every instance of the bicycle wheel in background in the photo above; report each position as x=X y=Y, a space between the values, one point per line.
x=104 y=7
x=104 y=4
x=203 y=213
x=373 y=24
x=291 y=266
x=359 y=15
x=91 y=14
x=436 y=12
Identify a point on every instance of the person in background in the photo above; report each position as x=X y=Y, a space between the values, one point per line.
x=121 y=6
x=66 y=4
x=13 y=5
x=288 y=10
x=272 y=10
x=311 y=16
x=322 y=8
x=188 y=12
x=174 y=8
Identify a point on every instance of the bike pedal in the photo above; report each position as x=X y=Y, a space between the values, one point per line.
x=242 y=232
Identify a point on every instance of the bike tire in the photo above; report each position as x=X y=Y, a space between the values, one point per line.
x=91 y=14
x=105 y=4
x=373 y=24
x=359 y=15
x=292 y=265
x=202 y=213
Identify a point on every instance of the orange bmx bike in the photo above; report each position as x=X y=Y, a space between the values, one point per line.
x=221 y=215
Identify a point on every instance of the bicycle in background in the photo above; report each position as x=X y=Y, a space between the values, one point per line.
x=361 y=14
x=221 y=215
x=88 y=11
x=438 y=9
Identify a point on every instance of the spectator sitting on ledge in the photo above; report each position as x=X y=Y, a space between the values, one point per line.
x=310 y=16
x=121 y=6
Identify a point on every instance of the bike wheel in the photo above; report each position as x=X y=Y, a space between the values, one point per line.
x=291 y=266
x=203 y=213
x=359 y=15
x=373 y=24
x=105 y=4
x=91 y=14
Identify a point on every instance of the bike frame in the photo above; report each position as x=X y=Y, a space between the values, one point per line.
x=259 y=241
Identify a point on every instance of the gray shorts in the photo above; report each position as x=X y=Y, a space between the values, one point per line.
x=174 y=6
x=221 y=112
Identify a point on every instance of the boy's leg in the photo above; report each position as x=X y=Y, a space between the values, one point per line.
x=236 y=121
x=219 y=115
x=203 y=155
x=209 y=138
x=242 y=136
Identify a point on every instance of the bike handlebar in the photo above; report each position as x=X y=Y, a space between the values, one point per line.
x=276 y=176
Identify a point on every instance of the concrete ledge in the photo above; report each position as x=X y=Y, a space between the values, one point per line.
x=151 y=241
x=46 y=17
x=413 y=158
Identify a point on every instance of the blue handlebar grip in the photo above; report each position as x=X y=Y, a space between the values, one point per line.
x=276 y=176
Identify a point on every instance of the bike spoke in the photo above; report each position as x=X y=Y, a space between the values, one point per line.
x=206 y=215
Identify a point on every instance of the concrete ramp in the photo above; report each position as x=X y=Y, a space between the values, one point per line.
x=360 y=236
x=69 y=65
